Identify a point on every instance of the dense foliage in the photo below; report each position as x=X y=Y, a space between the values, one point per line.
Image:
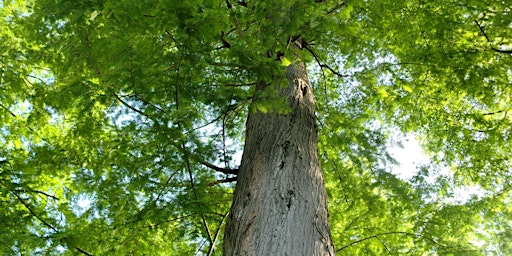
x=113 y=112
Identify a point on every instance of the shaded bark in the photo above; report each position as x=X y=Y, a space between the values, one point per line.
x=280 y=201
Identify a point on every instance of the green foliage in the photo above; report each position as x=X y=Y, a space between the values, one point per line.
x=109 y=110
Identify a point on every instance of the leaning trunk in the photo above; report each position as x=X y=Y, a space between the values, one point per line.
x=280 y=201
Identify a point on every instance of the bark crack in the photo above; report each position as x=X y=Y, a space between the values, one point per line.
x=291 y=194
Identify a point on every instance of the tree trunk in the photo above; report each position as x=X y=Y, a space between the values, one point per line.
x=280 y=201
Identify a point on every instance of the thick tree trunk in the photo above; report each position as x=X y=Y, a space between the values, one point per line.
x=280 y=202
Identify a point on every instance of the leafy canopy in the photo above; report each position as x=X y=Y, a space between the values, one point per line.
x=112 y=114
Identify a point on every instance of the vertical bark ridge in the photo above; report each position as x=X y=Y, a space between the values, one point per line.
x=280 y=201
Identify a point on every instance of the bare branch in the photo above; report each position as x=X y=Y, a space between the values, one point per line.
x=217 y=232
x=235 y=85
x=10 y=112
x=39 y=192
x=149 y=103
x=45 y=222
x=130 y=107
x=482 y=30
x=34 y=214
x=502 y=51
x=489 y=40
x=226 y=180
x=169 y=220
x=219 y=169
x=376 y=236
x=494 y=113
x=317 y=58
x=192 y=185
x=335 y=8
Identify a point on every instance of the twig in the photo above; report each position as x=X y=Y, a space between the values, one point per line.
x=40 y=192
x=34 y=214
x=337 y=7
x=217 y=232
x=493 y=113
x=177 y=82
x=192 y=185
x=130 y=107
x=149 y=103
x=376 y=236
x=489 y=40
x=45 y=223
x=317 y=58
x=10 y=112
x=482 y=30
x=235 y=85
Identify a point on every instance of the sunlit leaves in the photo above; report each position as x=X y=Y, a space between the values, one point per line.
x=108 y=107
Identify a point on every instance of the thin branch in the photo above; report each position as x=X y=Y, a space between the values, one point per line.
x=383 y=244
x=376 y=236
x=224 y=146
x=494 y=113
x=482 y=30
x=337 y=7
x=10 y=112
x=317 y=58
x=222 y=115
x=489 y=40
x=219 y=169
x=169 y=220
x=211 y=122
x=130 y=107
x=235 y=85
x=177 y=82
x=44 y=221
x=82 y=251
x=165 y=185
x=502 y=51
x=226 y=180
x=39 y=192
x=192 y=185
x=149 y=103
x=217 y=232
x=9 y=247
x=34 y=214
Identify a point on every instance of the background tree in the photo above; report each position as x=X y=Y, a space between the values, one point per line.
x=121 y=120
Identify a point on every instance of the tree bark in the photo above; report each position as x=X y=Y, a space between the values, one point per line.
x=280 y=201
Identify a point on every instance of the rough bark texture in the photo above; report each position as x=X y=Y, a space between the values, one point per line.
x=280 y=201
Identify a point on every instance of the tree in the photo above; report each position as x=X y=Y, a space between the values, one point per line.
x=280 y=202
x=121 y=121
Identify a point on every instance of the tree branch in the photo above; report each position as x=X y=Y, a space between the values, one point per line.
x=219 y=169
x=217 y=232
x=317 y=58
x=10 y=112
x=489 y=40
x=376 y=236
x=482 y=30
x=502 y=51
x=494 y=113
x=149 y=103
x=192 y=185
x=226 y=180
x=34 y=214
x=45 y=222
x=130 y=107
x=37 y=191
x=235 y=85
x=335 y=8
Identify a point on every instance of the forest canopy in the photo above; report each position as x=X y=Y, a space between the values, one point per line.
x=122 y=121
